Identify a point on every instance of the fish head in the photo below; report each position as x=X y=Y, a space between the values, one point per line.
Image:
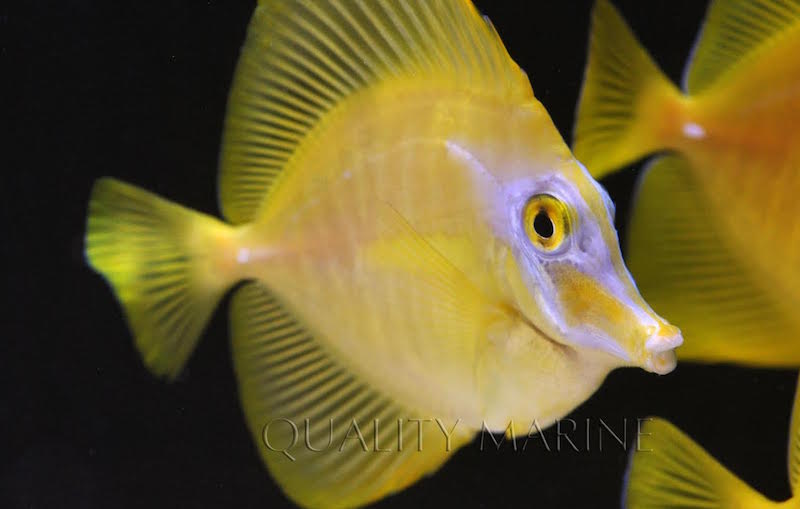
x=566 y=275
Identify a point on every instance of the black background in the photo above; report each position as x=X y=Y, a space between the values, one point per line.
x=137 y=90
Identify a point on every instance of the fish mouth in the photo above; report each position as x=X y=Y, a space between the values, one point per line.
x=660 y=348
x=658 y=355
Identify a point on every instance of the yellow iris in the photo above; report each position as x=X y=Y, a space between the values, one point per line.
x=546 y=220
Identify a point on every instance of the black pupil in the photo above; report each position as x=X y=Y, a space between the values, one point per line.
x=543 y=225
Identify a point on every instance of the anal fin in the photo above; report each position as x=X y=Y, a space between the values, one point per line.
x=292 y=388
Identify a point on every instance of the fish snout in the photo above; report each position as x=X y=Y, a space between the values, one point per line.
x=660 y=348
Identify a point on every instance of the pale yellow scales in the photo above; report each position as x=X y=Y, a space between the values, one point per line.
x=418 y=241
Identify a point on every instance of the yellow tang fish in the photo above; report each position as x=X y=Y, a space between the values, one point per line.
x=423 y=257
x=714 y=239
x=669 y=470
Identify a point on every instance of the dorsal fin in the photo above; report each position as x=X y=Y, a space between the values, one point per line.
x=302 y=58
x=734 y=28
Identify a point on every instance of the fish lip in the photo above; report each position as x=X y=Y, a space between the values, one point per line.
x=662 y=349
x=662 y=363
x=658 y=343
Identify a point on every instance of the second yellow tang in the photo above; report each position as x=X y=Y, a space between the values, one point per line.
x=715 y=231
x=422 y=256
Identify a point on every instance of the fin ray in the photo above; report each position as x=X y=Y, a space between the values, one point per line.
x=732 y=30
x=339 y=476
x=301 y=59
x=612 y=128
x=671 y=470
x=155 y=255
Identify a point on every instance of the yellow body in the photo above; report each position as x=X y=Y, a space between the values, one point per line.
x=343 y=275
x=715 y=234
x=381 y=166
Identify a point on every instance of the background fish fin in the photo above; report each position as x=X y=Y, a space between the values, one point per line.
x=623 y=92
x=301 y=59
x=732 y=29
x=286 y=373
x=794 y=445
x=690 y=276
x=670 y=470
x=155 y=254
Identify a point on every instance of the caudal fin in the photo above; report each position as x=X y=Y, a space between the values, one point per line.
x=626 y=100
x=670 y=470
x=159 y=258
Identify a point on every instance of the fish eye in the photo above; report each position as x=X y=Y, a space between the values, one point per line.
x=546 y=221
x=543 y=225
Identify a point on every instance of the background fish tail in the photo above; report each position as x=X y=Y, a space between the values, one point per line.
x=627 y=105
x=166 y=264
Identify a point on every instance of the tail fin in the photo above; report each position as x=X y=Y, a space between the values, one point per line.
x=161 y=261
x=670 y=470
x=625 y=98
